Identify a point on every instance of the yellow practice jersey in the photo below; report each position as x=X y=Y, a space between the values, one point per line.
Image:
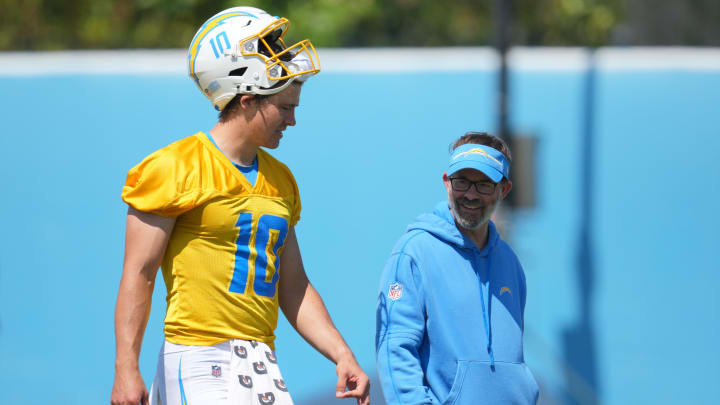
x=221 y=266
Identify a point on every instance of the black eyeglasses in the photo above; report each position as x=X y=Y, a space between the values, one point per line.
x=482 y=187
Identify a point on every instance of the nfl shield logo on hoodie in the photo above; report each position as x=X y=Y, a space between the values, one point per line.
x=395 y=291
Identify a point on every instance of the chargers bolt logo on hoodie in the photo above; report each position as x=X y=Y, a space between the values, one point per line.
x=505 y=290
x=395 y=292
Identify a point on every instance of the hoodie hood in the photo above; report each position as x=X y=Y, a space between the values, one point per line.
x=441 y=224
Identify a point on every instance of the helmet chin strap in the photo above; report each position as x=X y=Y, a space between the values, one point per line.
x=268 y=91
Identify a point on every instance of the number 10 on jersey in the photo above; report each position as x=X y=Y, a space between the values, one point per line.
x=265 y=225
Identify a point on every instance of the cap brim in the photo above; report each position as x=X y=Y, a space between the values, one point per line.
x=487 y=170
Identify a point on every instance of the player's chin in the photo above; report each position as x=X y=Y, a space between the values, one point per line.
x=273 y=144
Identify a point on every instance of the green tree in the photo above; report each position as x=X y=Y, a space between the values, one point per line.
x=108 y=24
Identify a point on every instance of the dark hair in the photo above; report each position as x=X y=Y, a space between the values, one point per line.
x=483 y=138
x=231 y=108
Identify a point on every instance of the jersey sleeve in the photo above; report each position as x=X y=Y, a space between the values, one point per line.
x=297 y=206
x=161 y=185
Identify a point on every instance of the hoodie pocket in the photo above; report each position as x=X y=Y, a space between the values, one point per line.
x=475 y=384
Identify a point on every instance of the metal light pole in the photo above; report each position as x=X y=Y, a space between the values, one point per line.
x=523 y=148
x=501 y=16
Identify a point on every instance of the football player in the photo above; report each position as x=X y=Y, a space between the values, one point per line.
x=217 y=212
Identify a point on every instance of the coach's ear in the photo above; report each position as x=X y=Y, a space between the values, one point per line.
x=446 y=181
x=506 y=187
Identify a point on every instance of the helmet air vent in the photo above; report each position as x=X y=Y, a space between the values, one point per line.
x=238 y=72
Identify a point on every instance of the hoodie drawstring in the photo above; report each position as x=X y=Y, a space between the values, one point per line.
x=487 y=314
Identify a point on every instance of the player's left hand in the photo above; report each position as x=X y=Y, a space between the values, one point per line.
x=354 y=379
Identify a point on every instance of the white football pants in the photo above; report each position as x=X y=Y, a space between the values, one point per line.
x=235 y=372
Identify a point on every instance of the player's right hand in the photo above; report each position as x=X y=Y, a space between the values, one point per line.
x=352 y=381
x=129 y=389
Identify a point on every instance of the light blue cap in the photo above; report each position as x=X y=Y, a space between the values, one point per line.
x=488 y=160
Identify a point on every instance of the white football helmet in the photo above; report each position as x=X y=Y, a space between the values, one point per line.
x=241 y=51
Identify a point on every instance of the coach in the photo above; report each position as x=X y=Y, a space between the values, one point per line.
x=452 y=294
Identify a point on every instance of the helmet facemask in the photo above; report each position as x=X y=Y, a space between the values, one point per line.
x=281 y=63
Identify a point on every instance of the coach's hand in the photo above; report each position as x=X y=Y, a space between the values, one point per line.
x=129 y=389
x=354 y=379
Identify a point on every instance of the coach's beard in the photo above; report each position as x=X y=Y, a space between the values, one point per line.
x=468 y=220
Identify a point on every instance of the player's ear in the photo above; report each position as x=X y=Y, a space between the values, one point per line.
x=247 y=100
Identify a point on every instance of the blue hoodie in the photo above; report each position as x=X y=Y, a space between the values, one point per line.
x=450 y=319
